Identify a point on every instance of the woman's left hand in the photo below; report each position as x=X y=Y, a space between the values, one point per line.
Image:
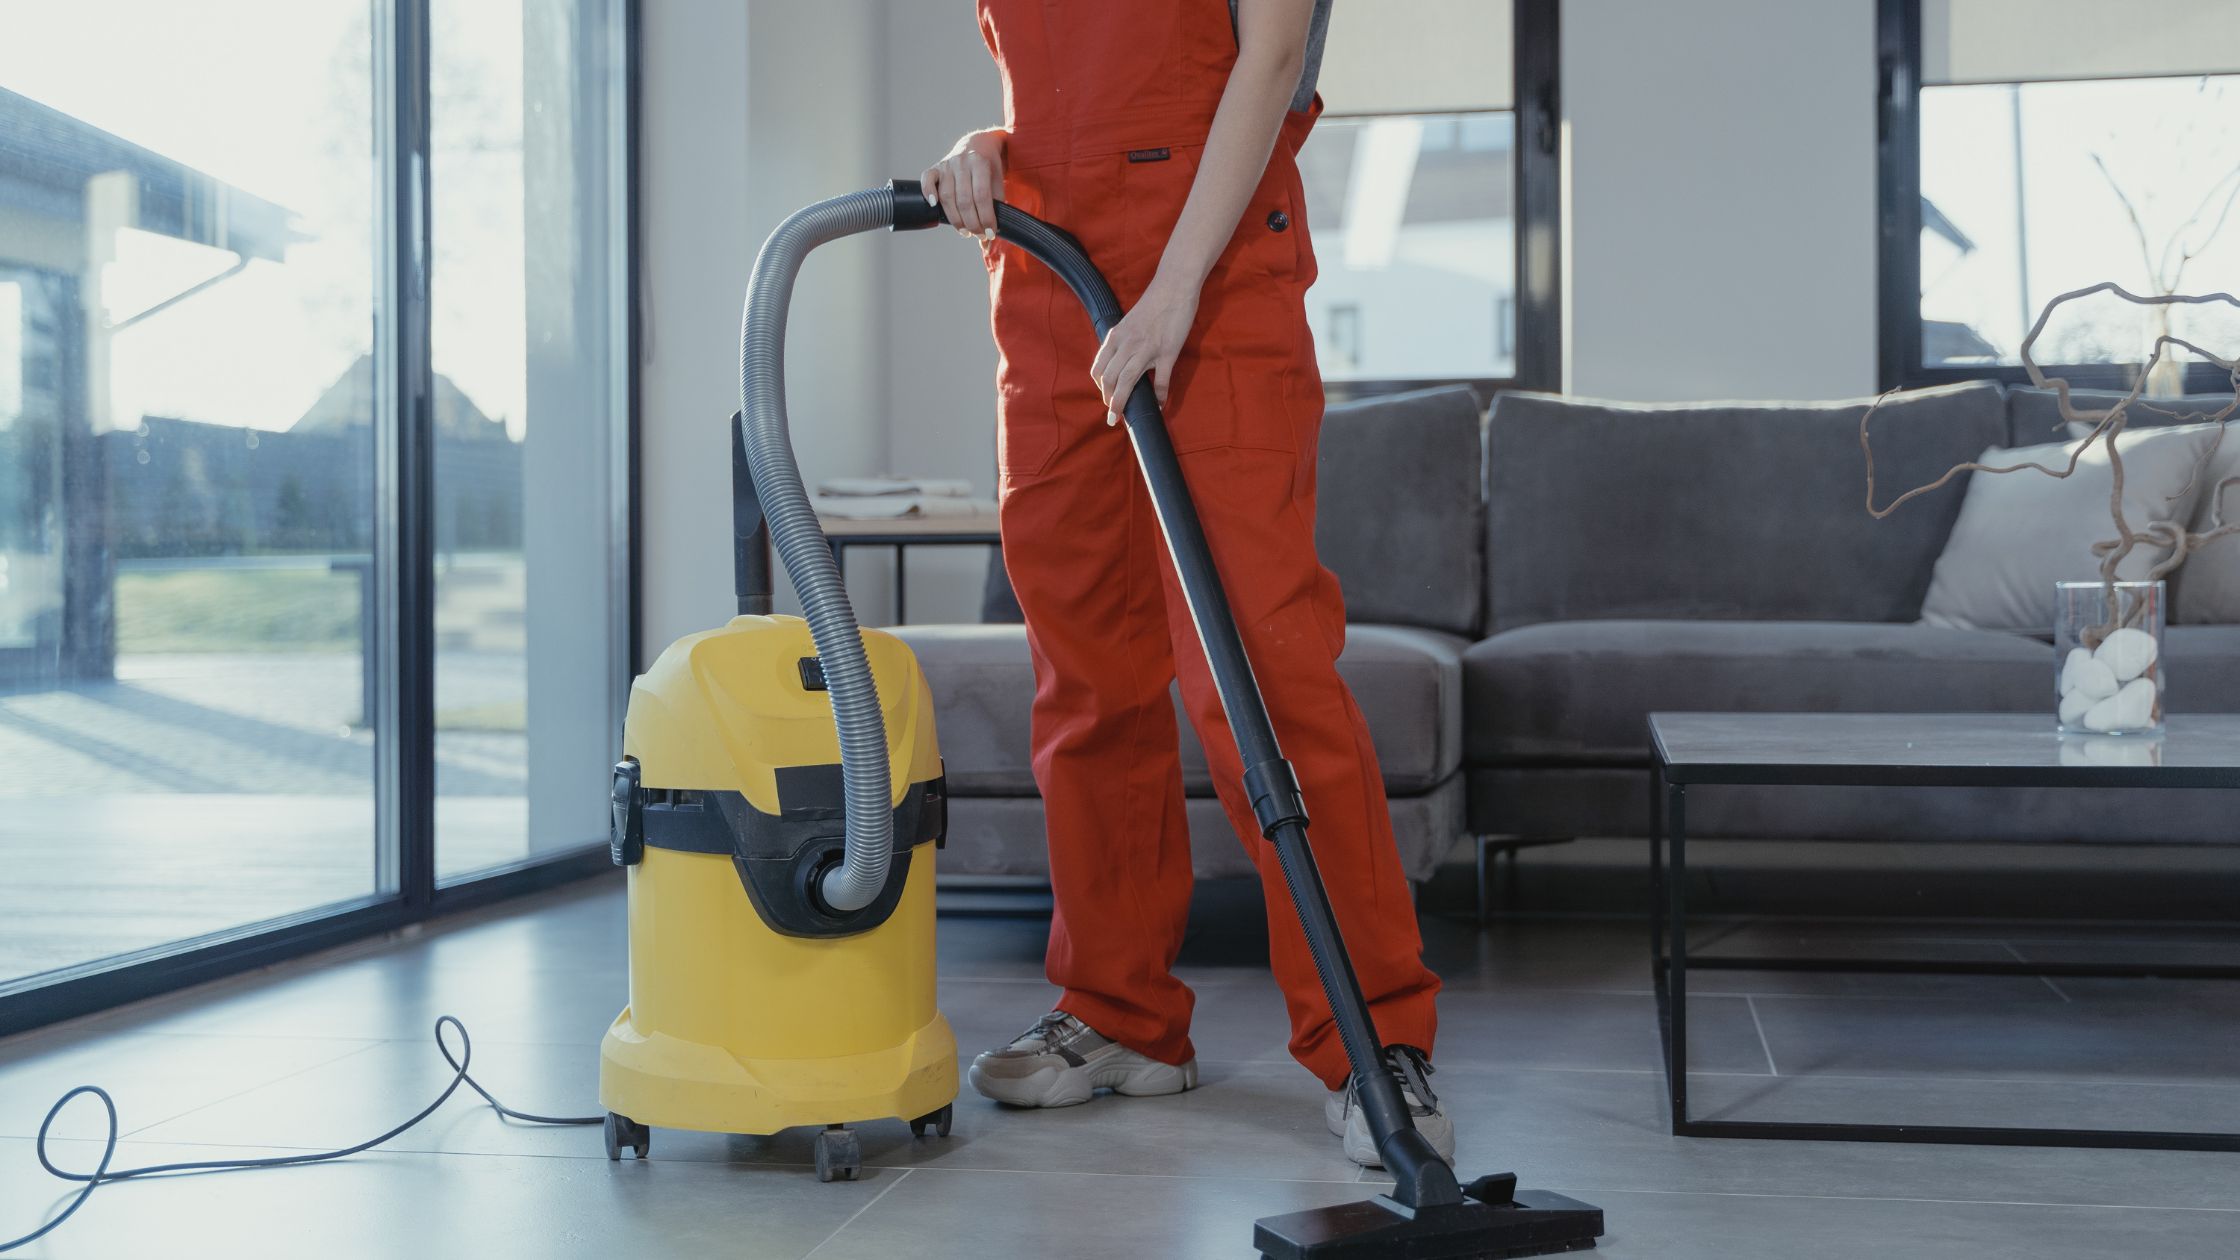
x=1147 y=339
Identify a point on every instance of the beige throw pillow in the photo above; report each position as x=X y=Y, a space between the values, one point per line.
x=2019 y=533
x=2208 y=586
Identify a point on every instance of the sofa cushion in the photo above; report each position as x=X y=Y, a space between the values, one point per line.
x=1004 y=835
x=1581 y=692
x=2020 y=533
x=2206 y=588
x=1399 y=518
x=1407 y=681
x=1726 y=511
x=2202 y=669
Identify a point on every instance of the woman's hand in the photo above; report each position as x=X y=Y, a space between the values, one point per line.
x=1147 y=339
x=967 y=183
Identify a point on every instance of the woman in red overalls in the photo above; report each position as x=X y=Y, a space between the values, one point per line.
x=1162 y=134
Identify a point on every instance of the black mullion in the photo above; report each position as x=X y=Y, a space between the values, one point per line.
x=1898 y=153
x=1536 y=159
x=405 y=763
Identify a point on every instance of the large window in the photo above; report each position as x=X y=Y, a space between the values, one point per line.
x=285 y=288
x=1413 y=179
x=2035 y=147
x=529 y=383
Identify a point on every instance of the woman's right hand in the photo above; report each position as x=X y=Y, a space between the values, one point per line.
x=967 y=183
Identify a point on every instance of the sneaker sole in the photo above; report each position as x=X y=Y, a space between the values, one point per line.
x=1072 y=1086
x=1361 y=1145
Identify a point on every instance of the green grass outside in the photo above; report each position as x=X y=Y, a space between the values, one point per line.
x=237 y=610
x=253 y=610
x=504 y=715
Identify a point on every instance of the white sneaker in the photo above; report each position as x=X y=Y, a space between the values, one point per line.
x=1061 y=1061
x=1342 y=1112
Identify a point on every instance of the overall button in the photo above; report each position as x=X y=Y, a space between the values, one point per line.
x=1278 y=220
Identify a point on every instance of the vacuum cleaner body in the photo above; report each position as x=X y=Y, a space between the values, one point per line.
x=754 y=1006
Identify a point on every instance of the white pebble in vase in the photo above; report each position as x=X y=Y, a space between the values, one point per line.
x=2128 y=652
x=2088 y=676
x=2074 y=706
x=2131 y=709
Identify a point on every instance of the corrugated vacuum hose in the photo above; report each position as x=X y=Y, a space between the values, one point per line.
x=857 y=880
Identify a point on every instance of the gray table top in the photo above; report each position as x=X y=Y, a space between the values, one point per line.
x=1940 y=750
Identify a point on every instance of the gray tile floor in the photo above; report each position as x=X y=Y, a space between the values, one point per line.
x=1547 y=1056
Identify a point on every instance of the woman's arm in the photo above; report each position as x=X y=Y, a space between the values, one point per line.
x=1271 y=54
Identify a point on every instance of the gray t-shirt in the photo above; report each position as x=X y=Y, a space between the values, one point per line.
x=1317 y=29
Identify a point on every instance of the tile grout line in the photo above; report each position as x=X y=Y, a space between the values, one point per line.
x=1884 y=1198
x=858 y=1214
x=1763 y=1044
x=122 y=1134
x=2046 y=980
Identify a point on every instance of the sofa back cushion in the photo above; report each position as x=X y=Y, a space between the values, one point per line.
x=1722 y=511
x=2034 y=415
x=1399 y=517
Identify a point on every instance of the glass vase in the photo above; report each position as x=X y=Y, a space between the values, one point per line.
x=2108 y=667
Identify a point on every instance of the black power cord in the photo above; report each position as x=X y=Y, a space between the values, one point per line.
x=101 y=1175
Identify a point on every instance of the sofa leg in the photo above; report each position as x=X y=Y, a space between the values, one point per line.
x=1484 y=844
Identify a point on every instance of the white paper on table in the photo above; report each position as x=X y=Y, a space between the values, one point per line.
x=889 y=507
x=867 y=487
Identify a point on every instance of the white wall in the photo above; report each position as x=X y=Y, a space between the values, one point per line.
x=750 y=111
x=940 y=357
x=1720 y=240
x=694 y=251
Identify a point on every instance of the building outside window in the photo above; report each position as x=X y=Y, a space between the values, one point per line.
x=1411 y=180
x=201 y=402
x=2062 y=143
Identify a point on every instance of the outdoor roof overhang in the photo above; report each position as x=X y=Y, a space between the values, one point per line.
x=49 y=156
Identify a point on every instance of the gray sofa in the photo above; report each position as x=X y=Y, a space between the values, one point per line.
x=1524 y=589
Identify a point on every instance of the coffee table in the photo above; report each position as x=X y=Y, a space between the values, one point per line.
x=1901 y=750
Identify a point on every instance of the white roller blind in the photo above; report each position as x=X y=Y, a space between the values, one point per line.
x=2012 y=41
x=1417 y=56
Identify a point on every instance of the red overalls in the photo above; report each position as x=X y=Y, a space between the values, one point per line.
x=1108 y=105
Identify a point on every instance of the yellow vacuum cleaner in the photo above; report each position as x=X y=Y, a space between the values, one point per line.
x=777 y=808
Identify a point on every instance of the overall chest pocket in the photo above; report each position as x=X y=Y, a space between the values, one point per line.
x=1246 y=372
x=1266 y=243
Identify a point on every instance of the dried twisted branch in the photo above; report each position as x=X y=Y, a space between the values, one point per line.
x=2106 y=426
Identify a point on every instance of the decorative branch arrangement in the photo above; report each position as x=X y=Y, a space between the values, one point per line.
x=2107 y=425
x=2164 y=272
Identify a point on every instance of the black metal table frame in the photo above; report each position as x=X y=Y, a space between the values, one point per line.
x=902 y=542
x=1668 y=934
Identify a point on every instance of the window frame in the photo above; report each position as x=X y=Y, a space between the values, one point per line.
x=401 y=652
x=1535 y=174
x=1898 y=355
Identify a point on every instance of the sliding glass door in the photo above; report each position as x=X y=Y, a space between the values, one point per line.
x=314 y=400
x=528 y=215
x=185 y=446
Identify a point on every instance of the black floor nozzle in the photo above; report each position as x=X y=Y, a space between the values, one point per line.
x=1494 y=1219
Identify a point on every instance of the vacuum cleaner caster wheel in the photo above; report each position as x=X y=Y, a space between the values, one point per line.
x=839 y=1155
x=937 y=1121
x=622 y=1132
